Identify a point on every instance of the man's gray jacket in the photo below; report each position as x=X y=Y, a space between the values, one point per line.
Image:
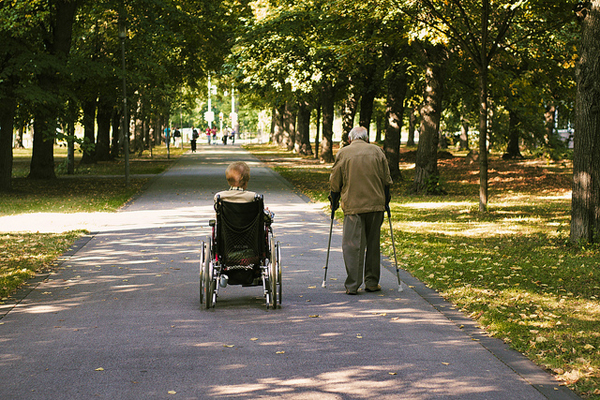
x=360 y=173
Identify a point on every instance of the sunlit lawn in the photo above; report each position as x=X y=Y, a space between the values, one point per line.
x=144 y=164
x=93 y=188
x=22 y=255
x=512 y=268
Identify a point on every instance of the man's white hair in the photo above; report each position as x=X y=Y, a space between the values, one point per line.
x=359 y=132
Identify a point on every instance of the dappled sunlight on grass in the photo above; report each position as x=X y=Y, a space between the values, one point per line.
x=511 y=268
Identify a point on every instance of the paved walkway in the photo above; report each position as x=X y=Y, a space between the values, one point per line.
x=120 y=319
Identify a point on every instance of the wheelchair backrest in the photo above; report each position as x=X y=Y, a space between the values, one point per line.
x=241 y=239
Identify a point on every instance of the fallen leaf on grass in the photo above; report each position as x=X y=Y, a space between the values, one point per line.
x=172 y=392
x=99 y=369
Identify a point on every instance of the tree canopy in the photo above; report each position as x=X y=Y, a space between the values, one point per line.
x=510 y=63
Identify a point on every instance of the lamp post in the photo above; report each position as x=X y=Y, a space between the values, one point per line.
x=233 y=116
x=125 y=127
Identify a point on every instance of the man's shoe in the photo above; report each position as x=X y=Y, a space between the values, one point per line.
x=351 y=292
x=373 y=288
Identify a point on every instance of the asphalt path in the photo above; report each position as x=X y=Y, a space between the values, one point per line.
x=120 y=318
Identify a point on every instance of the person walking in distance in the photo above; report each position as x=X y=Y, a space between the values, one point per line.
x=360 y=178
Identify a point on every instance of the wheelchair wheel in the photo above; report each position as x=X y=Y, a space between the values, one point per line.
x=201 y=275
x=278 y=269
x=207 y=278
x=273 y=276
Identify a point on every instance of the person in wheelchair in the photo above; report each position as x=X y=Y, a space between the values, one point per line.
x=242 y=238
x=237 y=175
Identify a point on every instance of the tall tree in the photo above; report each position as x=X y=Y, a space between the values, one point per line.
x=479 y=29
x=396 y=92
x=57 y=34
x=426 y=171
x=585 y=206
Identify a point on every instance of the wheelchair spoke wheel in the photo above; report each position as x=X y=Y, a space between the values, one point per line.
x=201 y=275
x=207 y=275
x=273 y=276
x=278 y=270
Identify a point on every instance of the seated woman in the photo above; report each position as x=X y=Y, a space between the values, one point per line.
x=237 y=175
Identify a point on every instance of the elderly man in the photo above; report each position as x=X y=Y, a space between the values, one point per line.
x=361 y=178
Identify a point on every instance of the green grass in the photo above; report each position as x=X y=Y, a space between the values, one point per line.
x=143 y=164
x=93 y=188
x=25 y=254
x=70 y=195
x=512 y=268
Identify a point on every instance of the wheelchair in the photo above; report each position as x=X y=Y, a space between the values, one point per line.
x=240 y=251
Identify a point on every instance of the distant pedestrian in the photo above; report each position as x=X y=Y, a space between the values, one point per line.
x=167 y=136
x=208 y=135
x=361 y=178
x=195 y=137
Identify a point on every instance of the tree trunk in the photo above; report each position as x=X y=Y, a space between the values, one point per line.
x=585 y=203
x=348 y=114
x=483 y=151
x=302 y=145
x=8 y=108
x=289 y=126
x=89 y=134
x=116 y=124
x=318 y=122
x=380 y=126
x=138 y=136
x=277 y=125
x=71 y=146
x=426 y=172
x=328 y=104
x=366 y=101
x=397 y=85
x=42 y=157
x=512 y=148
x=46 y=114
x=464 y=131
x=19 y=141
x=412 y=123
x=105 y=112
